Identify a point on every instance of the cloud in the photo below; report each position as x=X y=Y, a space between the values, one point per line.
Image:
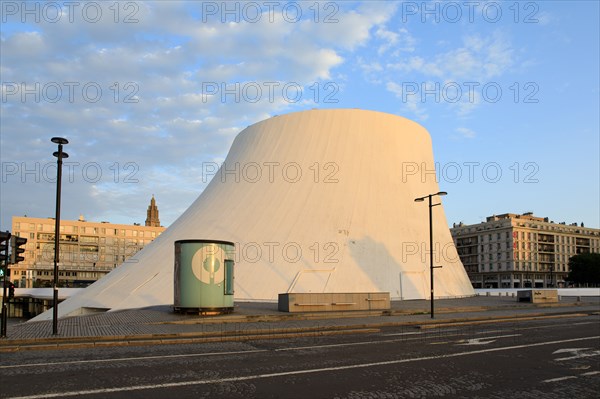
x=411 y=103
x=478 y=59
x=401 y=41
x=465 y=132
x=136 y=94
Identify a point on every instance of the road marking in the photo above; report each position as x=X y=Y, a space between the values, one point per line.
x=127 y=359
x=404 y=333
x=570 y=377
x=488 y=340
x=591 y=373
x=569 y=350
x=439 y=332
x=296 y=348
x=560 y=379
x=581 y=368
x=558 y=325
x=294 y=372
x=575 y=353
x=489 y=332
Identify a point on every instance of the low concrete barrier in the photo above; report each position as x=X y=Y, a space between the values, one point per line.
x=333 y=302
x=538 y=296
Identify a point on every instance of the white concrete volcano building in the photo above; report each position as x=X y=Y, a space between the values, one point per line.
x=316 y=201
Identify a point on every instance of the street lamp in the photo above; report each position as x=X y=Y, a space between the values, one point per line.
x=431 y=266
x=59 y=155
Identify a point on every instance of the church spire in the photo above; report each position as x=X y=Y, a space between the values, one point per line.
x=152 y=214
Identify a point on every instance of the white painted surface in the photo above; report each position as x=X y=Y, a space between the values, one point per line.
x=561 y=291
x=359 y=211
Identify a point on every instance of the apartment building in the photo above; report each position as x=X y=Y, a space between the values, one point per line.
x=88 y=250
x=516 y=251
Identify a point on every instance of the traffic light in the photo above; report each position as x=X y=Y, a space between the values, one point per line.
x=4 y=239
x=16 y=244
x=11 y=290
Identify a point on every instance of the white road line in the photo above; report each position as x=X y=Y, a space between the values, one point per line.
x=542 y=326
x=501 y=336
x=570 y=377
x=404 y=333
x=127 y=359
x=296 y=348
x=489 y=332
x=557 y=325
x=294 y=372
x=427 y=333
x=496 y=331
x=591 y=373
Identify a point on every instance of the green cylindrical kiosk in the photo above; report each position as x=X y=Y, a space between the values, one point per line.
x=204 y=276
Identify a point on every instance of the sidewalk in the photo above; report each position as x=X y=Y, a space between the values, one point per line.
x=254 y=320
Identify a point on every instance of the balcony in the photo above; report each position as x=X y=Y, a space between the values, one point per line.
x=545 y=238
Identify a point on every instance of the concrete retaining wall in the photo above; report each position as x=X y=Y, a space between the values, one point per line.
x=332 y=302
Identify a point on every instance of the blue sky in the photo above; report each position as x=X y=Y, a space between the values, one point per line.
x=509 y=92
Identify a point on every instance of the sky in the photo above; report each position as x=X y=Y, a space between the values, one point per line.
x=151 y=95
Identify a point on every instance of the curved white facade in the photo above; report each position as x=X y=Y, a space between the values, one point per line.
x=316 y=201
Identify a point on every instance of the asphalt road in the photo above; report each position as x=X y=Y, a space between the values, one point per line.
x=550 y=358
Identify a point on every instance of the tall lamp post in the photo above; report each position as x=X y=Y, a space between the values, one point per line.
x=59 y=155
x=431 y=266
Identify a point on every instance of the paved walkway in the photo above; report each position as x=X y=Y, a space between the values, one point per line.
x=251 y=318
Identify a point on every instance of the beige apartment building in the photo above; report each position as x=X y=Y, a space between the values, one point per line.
x=516 y=251
x=88 y=250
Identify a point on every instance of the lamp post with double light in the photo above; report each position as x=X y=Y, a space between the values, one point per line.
x=431 y=266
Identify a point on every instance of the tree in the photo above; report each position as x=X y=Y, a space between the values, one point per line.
x=584 y=269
